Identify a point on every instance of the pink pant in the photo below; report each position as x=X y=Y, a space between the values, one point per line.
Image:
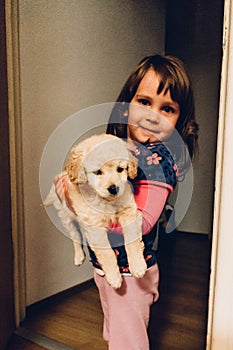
x=127 y=309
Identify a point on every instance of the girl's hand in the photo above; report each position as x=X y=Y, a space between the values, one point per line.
x=62 y=185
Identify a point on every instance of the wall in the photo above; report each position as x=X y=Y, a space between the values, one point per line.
x=194 y=33
x=73 y=54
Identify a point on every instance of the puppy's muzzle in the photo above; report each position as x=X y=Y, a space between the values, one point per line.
x=113 y=190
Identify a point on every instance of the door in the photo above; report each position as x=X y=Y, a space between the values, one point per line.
x=7 y=322
x=220 y=316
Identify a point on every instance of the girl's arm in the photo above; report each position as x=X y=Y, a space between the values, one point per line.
x=62 y=184
x=150 y=199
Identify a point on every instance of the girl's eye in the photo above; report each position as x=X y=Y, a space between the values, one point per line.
x=168 y=109
x=144 y=102
x=98 y=172
x=120 y=169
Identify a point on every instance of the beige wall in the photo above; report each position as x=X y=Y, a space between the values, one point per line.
x=194 y=33
x=73 y=54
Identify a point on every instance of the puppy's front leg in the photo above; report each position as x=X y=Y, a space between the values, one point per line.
x=76 y=235
x=79 y=255
x=99 y=243
x=134 y=245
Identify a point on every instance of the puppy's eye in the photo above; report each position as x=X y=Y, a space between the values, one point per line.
x=98 y=172
x=120 y=169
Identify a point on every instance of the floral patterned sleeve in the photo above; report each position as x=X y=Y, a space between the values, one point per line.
x=157 y=177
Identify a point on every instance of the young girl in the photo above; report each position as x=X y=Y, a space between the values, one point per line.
x=156 y=99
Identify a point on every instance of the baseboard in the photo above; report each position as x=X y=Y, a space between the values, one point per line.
x=61 y=295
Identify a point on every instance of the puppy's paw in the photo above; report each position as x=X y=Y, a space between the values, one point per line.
x=138 y=268
x=115 y=280
x=79 y=258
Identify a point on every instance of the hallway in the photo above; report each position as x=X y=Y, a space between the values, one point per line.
x=178 y=319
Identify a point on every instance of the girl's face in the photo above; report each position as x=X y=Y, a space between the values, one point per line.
x=152 y=117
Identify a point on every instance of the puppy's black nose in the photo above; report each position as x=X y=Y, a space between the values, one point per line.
x=113 y=189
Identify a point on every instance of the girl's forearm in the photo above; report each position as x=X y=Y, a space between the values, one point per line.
x=150 y=200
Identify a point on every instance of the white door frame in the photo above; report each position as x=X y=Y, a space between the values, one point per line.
x=220 y=317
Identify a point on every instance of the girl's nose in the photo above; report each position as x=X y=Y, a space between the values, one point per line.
x=152 y=117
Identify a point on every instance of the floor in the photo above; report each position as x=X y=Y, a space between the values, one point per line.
x=73 y=319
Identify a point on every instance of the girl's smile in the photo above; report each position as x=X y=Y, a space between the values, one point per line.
x=152 y=116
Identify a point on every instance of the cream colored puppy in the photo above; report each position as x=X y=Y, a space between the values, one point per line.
x=100 y=193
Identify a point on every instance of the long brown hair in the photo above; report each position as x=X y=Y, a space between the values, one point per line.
x=175 y=78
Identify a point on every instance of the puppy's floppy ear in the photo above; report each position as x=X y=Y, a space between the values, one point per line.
x=132 y=166
x=75 y=168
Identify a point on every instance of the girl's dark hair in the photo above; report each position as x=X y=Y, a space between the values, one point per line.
x=175 y=78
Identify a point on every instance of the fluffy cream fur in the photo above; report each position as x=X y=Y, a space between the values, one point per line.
x=100 y=193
